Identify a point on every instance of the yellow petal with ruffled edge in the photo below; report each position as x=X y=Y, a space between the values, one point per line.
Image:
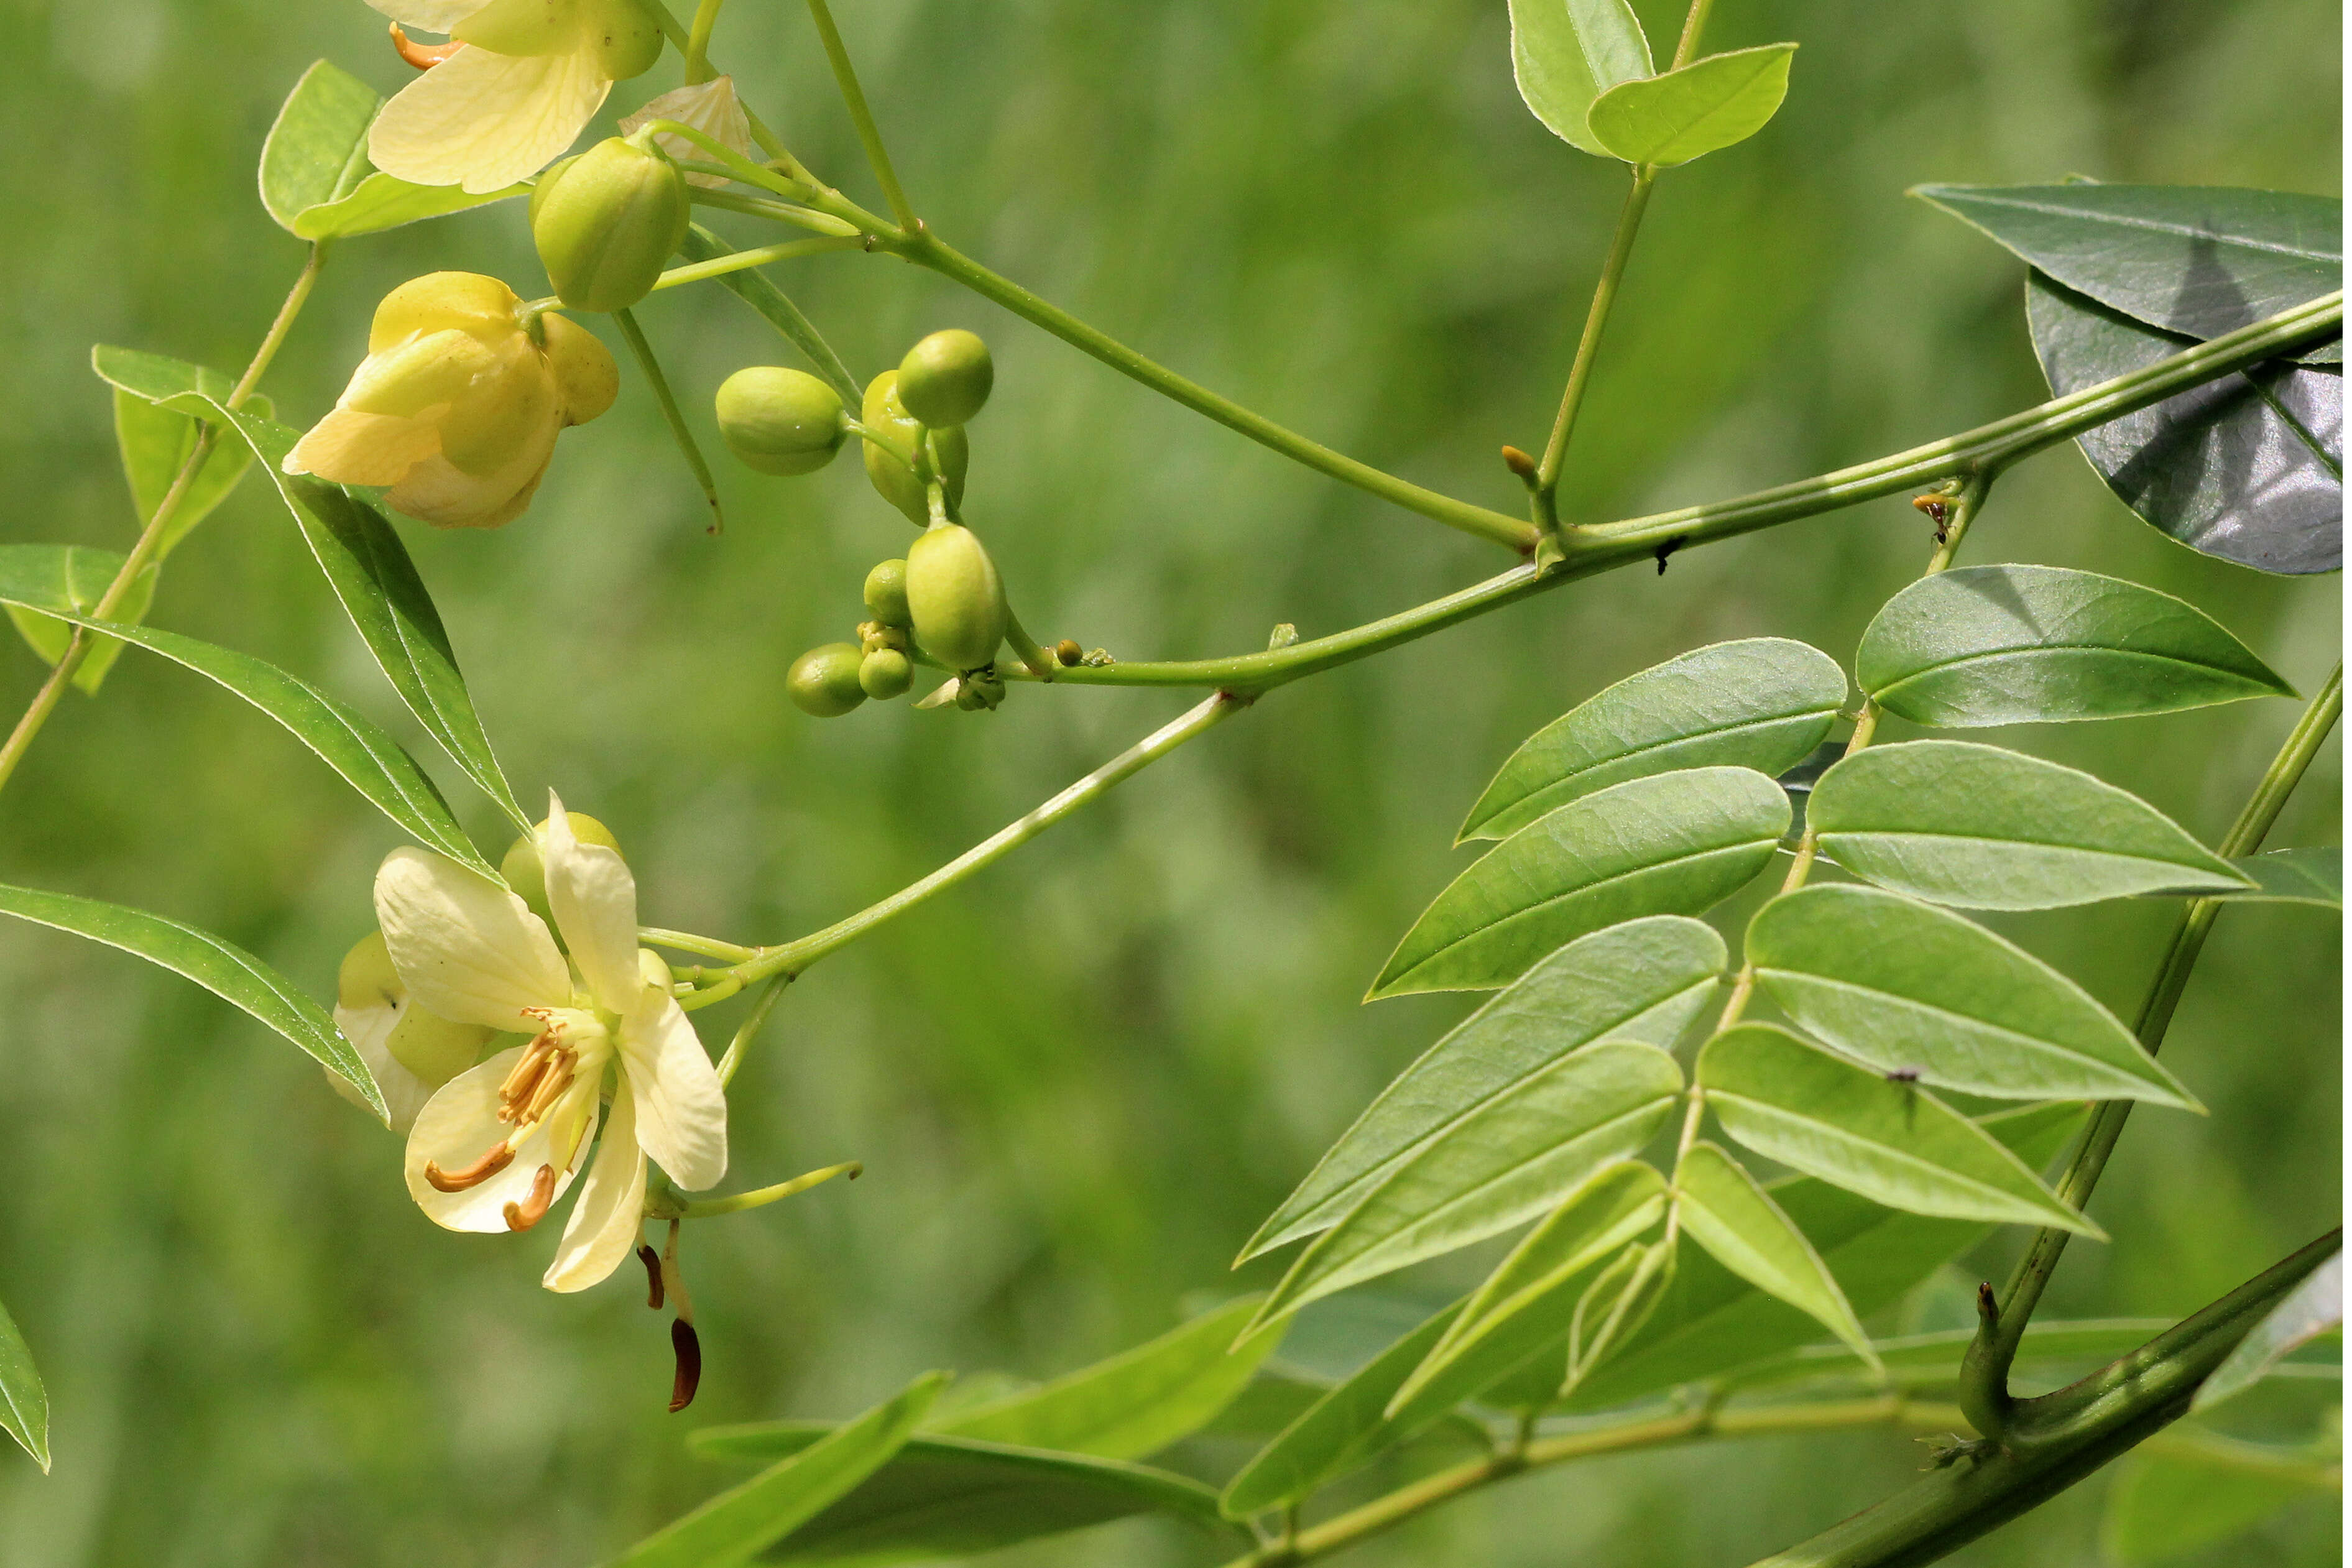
x=482 y=121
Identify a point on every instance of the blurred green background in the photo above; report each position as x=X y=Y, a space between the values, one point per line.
x=1081 y=1080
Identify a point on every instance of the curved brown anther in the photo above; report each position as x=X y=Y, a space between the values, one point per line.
x=474 y=1175
x=652 y=1260
x=687 y=1346
x=424 y=57
x=533 y=1209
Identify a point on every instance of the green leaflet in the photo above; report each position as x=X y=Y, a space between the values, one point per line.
x=1566 y=53
x=1908 y=987
x=364 y=562
x=2314 y=1308
x=1525 y=1306
x=1762 y=703
x=2313 y=876
x=2006 y=644
x=2203 y=1487
x=1345 y=1430
x=1893 y=1142
x=222 y=968
x=2198 y=260
x=1133 y=1404
x=73 y=578
x=371 y=761
x=316 y=180
x=1984 y=828
x=1933 y=1360
x=1727 y=1212
x=24 y=1402
x=1677 y=843
x=154 y=443
x=1513 y=1157
x=745 y=1519
x=1642 y=980
x=1711 y=1322
x=941 y=1496
x=1701 y=108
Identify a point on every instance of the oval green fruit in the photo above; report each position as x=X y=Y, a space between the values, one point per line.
x=886 y=673
x=956 y=597
x=780 y=421
x=885 y=594
x=945 y=379
x=893 y=480
x=823 y=682
x=607 y=222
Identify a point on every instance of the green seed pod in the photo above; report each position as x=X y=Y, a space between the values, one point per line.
x=883 y=412
x=527 y=874
x=885 y=594
x=780 y=421
x=886 y=673
x=956 y=597
x=823 y=682
x=607 y=222
x=945 y=379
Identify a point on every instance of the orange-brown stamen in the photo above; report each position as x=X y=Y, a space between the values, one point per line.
x=686 y=1345
x=646 y=1255
x=533 y=1209
x=473 y=1175
x=552 y=1083
x=424 y=57
x=526 y=1066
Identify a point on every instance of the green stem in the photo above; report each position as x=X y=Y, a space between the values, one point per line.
x=671 y=411
x=1694 y=22
x=688 y=942
x=698 y=43
x=150 y=538
x=1984 y=1374
x=1588 y=347
x=711 y=1208
x=762 y=206
x=749 y=1028
x=771 y=301
x=720 y=266
x=853 y=96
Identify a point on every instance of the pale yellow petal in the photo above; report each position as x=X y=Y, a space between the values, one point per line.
x=482 y=121
x=595 y=899
x=355 y=449
x=710 y=108
x=431 y=16
x=415 y=378
x=466 y=948
x=441 y=301
x=606 y=1222
x=681 y=1109
x=439 y=493
x=457 y=1127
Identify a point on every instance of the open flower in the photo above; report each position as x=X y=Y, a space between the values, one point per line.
x=499 y=1143
x=457 y=405
x=529 y=75
x=712 y=108
x=409 y=1051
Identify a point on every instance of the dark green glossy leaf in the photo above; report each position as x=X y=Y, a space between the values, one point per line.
x=371 y=761
x=221 y=967
x=1763 y=703
x=2197 y=261
x=1727 y=1212
x=2007 y=644
x=1697 y=109
x=69 y=578
x=2198 y=1488
x=2248 y=469
x=1524 y=1306
x=2313 y=1307
x=1643 y=980
x=1677 y=843
x=1566 y=53
x=1513 y=1157
x=318 y=147
x=23 y=1402
x=1985 y=828
x=1133 y=1404
x=1909 y=988
x=796 y=1489
x=1711 y=1322
x=1893 y=1142
x=365 y=563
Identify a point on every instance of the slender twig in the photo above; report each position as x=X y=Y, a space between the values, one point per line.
x=678 y=429
x=150 y=538
x=711 y=1208
x=695 y=272
x=1588 y=348
x=698 y=43
x=747 y=1031
x=853 y=97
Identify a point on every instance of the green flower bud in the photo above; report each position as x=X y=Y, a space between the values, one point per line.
x=980 y=691
x=780 y=421
x=433 y=1048
x=607 y=222
x=823 y=682
x=886 y=673
x=884 y=412
x=945 y=379
x=527 y=874
x=885 y=594
x=956 y=597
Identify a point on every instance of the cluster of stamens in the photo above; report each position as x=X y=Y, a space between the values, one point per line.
x=539 y=1076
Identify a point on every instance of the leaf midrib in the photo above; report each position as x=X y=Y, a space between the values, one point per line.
x=1937 y=1010
x=2028 y=651
x=2157 y=225
x=1883 y=1151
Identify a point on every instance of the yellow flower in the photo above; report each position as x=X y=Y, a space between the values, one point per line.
x=529 y=75
x=457 y=405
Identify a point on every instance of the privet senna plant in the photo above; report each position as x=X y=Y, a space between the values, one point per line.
x=1722 y=1157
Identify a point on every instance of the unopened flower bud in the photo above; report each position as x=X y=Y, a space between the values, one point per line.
x=527 y=874
x=374 y=1010
x=955 y=596
x=981 y=690
x=823 y=682
x=886 y=673
x=780 y=421
x=884 y=413
x=608 y=221
x=885 y=594
x=945 y=379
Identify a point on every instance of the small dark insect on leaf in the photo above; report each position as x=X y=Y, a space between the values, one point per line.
x=1902 y=1074
x=1668 y=548
x=652 y=1260
x=686 y=1345
x=1938 y=510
